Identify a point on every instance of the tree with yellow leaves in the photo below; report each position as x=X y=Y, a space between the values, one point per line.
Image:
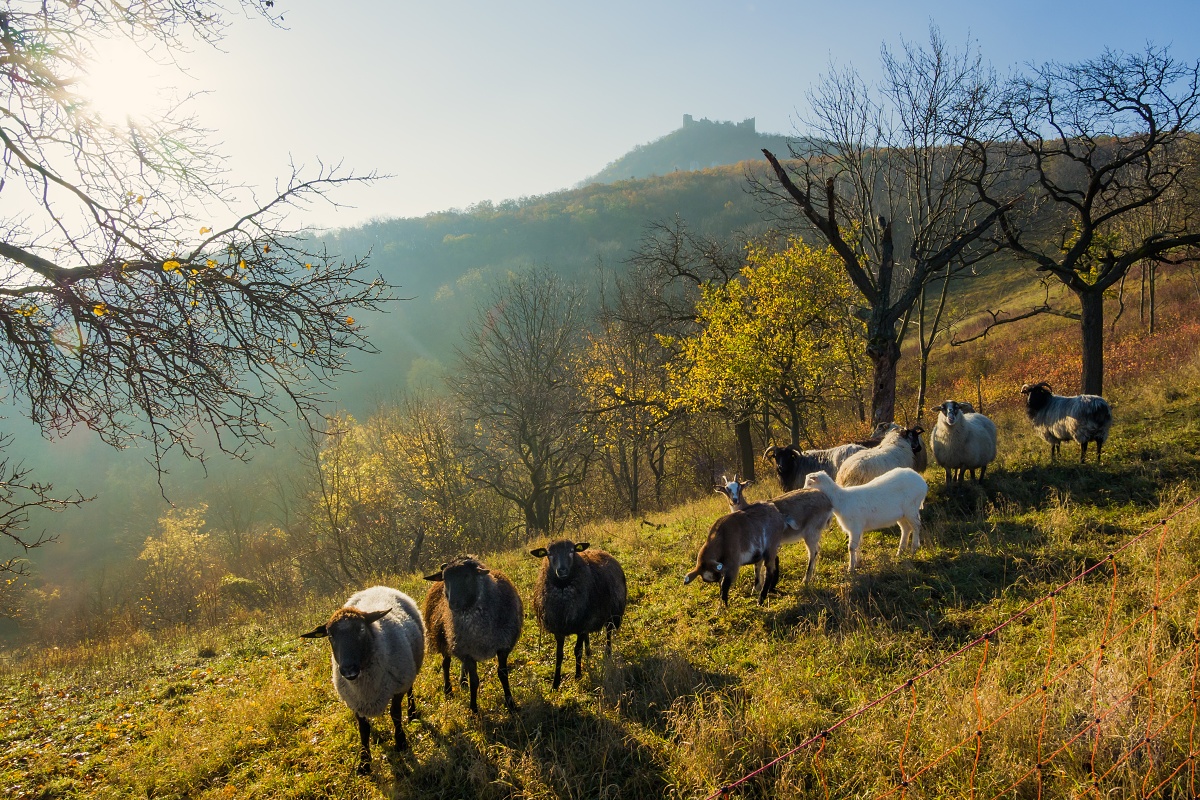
x=783 y=337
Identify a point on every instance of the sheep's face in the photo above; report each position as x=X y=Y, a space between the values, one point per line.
x=1037 y=395
x=351 y=639
x=950 y=412
x=561 y=557
x=462 y=583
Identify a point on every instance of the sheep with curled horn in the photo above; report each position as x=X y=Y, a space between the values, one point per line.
x=473 y=613
x=579 y=590
x=792 y=463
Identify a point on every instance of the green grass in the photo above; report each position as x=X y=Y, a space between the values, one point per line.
x=696 y=695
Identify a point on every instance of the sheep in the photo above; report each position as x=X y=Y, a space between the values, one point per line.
x=378 y=645
x=579 y=590
x=1057 y=418
x=963 y=440
x=805 y=513
x=473 y=613
x=897 y=496
x=792 y=464
x=901 y=447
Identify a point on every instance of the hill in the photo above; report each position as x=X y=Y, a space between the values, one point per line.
x=1044 y=639
x=698 y=144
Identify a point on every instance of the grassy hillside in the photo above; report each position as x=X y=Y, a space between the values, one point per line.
x=696 y=695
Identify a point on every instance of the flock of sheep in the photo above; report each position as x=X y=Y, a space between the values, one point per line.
x=472 y=613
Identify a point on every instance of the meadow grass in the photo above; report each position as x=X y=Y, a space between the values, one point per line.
x=696 y=695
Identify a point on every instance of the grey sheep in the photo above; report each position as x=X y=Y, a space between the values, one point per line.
x=378 y=645
x=1057 y=418
x=579 y=590
x=792 y=463
x=962 y=440
x=473 y=614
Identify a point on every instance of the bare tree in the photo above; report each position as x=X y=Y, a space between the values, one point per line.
x=1106 y=144
x=516 y=381
x=892 y=178
x=139 y=295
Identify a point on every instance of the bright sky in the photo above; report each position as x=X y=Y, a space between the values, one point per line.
x=466 y=100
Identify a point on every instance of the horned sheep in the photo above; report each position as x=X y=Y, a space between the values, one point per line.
x=895 y=497
x=1058 y=418
x=792 y=463
x=378 y=644
x=579 y=590
x=473 y=614
x=962 y=440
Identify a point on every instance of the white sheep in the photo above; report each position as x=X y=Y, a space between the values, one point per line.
x=378 y=643
x=962 y=440
x=898 y=449
x=895 y=497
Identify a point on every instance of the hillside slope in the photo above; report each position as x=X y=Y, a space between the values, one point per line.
x=696 y=696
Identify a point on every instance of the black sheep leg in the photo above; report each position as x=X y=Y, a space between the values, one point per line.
x=398 y=721
x=558 y=658
x=502 y=673
x=446 y=675
x=412 y=706
x=364 y=739
x=473 y=675
x=580 y=640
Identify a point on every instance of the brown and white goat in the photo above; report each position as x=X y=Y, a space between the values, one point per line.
x=752 y=536
x=805 y=512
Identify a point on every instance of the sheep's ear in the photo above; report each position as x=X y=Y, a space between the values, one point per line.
x=720 y=489
x=437 y=576
x=942 y=407
x=372 y=617
x=581 y=546
x=540 y=552
x=318 y=632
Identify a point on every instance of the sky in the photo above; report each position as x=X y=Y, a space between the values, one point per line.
x=462 y=101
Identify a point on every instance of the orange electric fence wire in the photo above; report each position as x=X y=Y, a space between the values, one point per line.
x=1049 y=677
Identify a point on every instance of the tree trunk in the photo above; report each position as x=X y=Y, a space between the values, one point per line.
x=1153 y=283
x=883 y=354
x=1091 y=325
x=745 y=448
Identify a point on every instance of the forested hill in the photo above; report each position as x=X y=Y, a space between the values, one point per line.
x=447 y=262
x=699 y=144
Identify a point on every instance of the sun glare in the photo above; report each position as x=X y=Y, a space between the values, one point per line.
x=122 y=81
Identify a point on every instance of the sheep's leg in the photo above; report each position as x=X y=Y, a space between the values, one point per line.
x=472 y=671
x=558 y=658
x=608 y=629
x=502 y=673
x=948 y=476
x=982 y=470
x=1082 y=452
x=364 y=750
x=462 y=676
x=412 y=706
x=580 y=640
x=1098 y=451
x=587 y=645
x=446 y=675
x=398 y=721
x=905 y=531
